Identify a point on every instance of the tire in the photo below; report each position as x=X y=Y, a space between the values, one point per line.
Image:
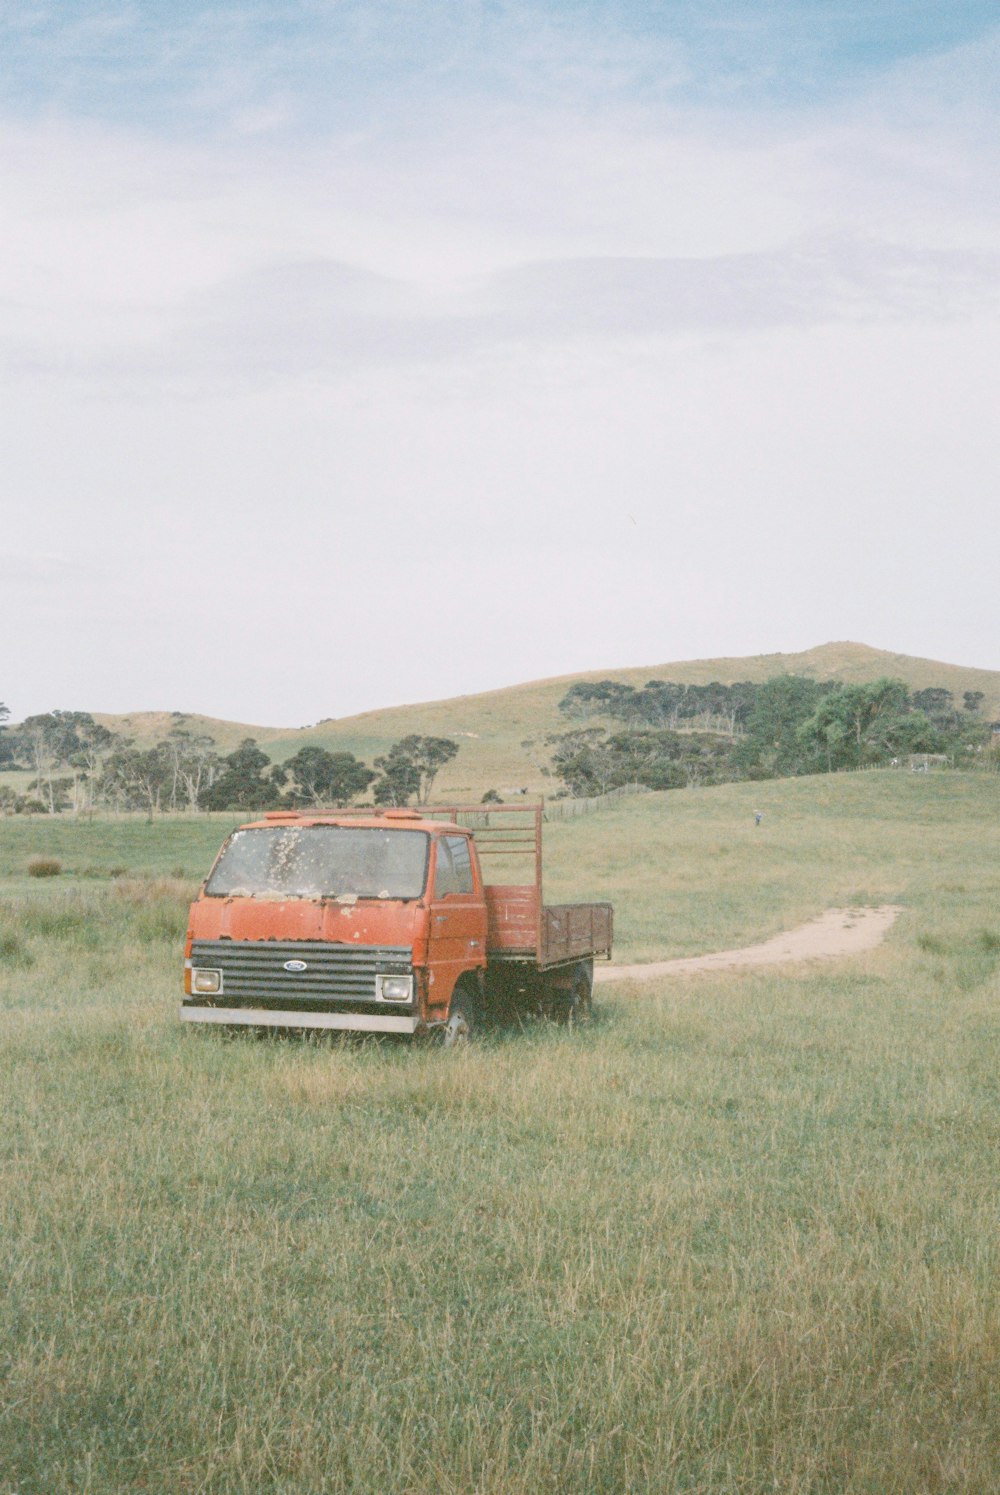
x=464 y=1019
x=576 y=1006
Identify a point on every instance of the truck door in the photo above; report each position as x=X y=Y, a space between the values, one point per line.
x=458 y=918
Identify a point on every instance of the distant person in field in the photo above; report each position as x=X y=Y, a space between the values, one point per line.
x=758 y=816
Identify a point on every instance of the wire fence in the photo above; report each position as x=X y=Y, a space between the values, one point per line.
x=566 y=809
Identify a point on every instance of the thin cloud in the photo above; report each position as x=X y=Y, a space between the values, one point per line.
x=303 y=318
x=545 y=226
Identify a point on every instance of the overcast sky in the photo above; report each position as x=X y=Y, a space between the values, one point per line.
x=357 y=352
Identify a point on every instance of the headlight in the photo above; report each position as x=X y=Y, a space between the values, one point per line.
x=394 y=988
x=205 y=983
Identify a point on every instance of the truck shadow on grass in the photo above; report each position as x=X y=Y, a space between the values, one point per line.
x=499 y=1032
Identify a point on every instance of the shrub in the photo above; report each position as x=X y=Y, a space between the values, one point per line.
x=44 y=867
x=13 y=950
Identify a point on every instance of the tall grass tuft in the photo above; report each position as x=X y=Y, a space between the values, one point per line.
x=13 y=951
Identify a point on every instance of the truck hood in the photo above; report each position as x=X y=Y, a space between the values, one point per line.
x=362 y=923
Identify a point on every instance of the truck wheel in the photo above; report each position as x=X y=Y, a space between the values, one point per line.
x=577 y=1005
x=463 y=1020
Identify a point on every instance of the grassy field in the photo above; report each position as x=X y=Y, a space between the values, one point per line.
x=741 y=1235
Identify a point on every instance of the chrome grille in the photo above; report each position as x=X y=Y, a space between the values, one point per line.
x=253 y=972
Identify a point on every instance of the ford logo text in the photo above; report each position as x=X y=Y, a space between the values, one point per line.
x=295 y=965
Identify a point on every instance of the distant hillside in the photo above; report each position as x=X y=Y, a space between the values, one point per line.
x=491 y=727
x=152 y=726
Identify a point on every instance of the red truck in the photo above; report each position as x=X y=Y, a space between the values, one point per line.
x=381 y=922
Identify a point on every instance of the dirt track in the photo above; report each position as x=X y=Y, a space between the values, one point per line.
x=838 y=932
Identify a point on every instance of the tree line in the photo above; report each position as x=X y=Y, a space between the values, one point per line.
x=78 y=765
x=674 y=735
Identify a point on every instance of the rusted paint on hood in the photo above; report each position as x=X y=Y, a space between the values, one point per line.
x=365 y=922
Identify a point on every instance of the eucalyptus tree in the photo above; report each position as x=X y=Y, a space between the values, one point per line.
x=410 y=768
x=321 y=776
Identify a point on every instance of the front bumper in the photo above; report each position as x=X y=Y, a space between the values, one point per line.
x=269 y=1017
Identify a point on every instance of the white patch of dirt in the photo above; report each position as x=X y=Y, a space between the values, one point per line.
x=834 y=934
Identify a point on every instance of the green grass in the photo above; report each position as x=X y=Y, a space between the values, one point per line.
x=689 y=871
x=739 y=1236
x=93 y=850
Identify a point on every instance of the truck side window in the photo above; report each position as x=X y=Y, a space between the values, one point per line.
x=445 y=881
x=461 y=862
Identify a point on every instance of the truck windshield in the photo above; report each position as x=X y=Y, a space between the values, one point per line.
x=321 y=861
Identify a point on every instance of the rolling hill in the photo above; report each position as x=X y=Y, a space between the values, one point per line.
x=493 y=727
